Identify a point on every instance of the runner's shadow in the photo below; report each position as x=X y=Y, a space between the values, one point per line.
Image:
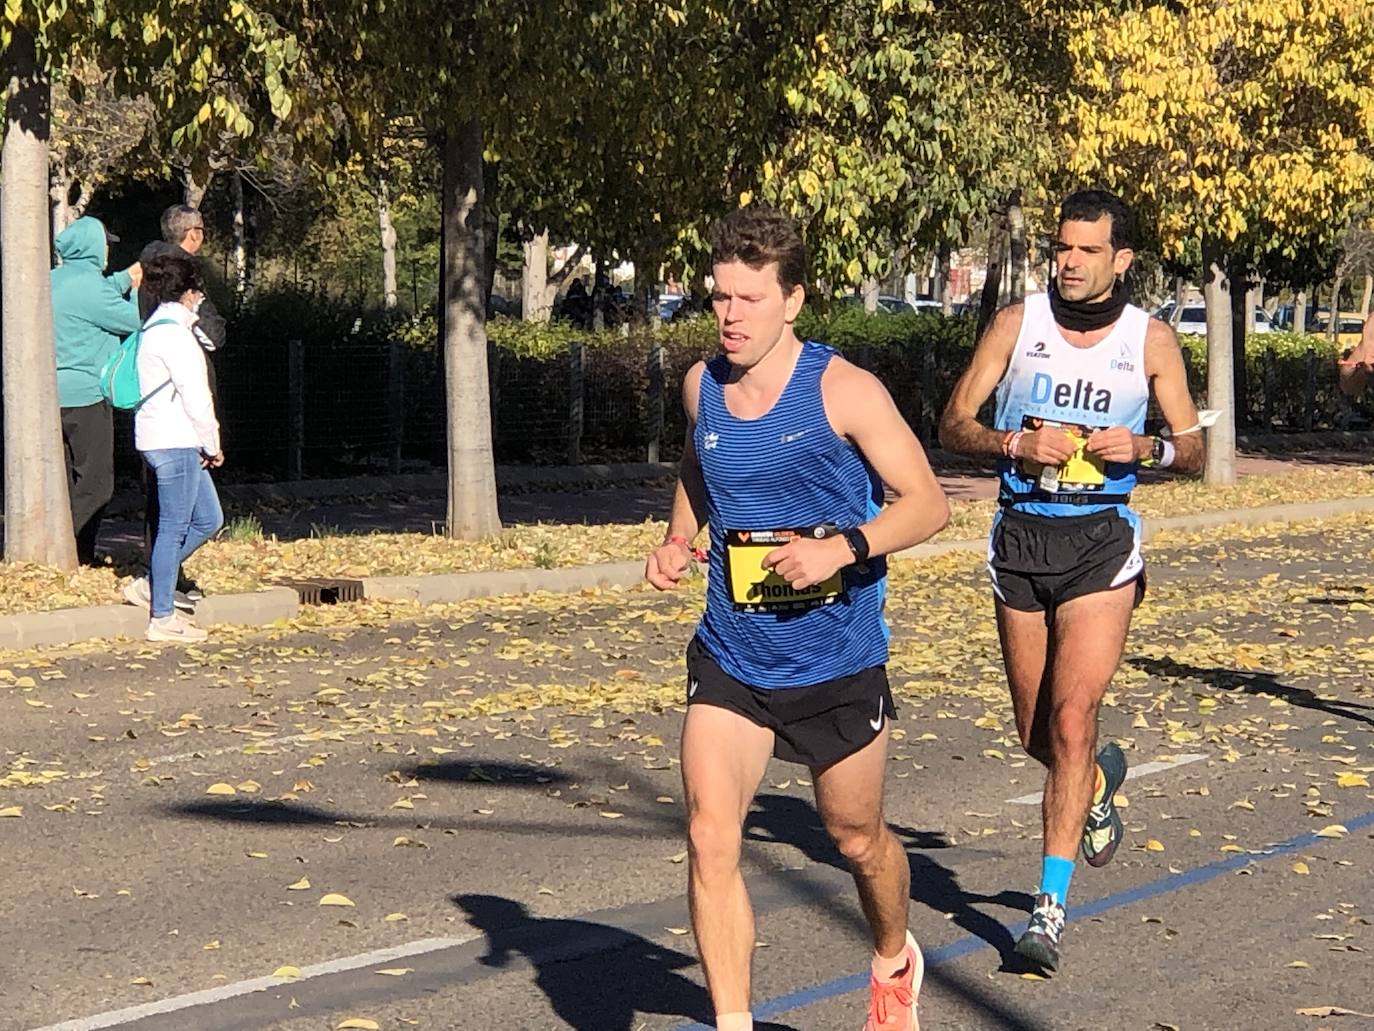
x=595 y=976
x=794 y=821
x=1256 y=683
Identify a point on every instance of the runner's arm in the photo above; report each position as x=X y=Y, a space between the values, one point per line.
x=668 y=562
x=863 y=411
x=1169 y=380
x=960 y=430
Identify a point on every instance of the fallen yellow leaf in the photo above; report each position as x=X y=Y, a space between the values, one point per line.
x=287 y=971
x=11 y=811
x=300 y=885
x=221 y=789
x=336 y=900
x=357 y=1024
x=396 y=971
x=1301 y=868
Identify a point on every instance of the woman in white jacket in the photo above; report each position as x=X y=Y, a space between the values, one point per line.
x=176 y=432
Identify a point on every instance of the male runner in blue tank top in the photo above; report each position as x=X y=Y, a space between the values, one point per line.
x=1073 y=371
x=787 y=450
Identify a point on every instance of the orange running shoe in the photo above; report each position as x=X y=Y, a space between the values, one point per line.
x=892 y=1006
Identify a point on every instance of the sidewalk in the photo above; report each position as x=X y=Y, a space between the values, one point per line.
x=421 y=507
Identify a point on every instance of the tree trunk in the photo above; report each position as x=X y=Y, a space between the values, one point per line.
x=992 y=286
x=472 y=509
x=1240 y=332
x=194 y=189
x=1368 y=295
x=942 y=273
x=1179 y=293
x=646 y=263
x=1220 y=469
x=388 y=246
x=38 y=521
x=1333 y=320
x=1300 y=312
x=240 y=244
x=1016 y=238
x=536 y=302
x=61 y=194
x=870 y=290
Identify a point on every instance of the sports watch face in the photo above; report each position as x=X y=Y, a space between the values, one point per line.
x=1157 y=449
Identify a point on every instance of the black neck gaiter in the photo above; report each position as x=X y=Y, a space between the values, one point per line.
x=1085 y=316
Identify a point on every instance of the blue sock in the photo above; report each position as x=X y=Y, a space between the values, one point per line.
x=1055 y=874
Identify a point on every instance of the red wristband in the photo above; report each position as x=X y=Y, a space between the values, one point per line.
x=697 y=553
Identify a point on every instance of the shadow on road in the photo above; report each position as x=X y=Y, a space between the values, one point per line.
x=1256 y=683
x=596 y=977
x=508 y=775
x=794 y=821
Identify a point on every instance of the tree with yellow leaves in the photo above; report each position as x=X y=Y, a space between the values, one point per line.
x=1247 y=125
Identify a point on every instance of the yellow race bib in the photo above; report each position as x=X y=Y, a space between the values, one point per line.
x=1081 y=470
x=755 y=589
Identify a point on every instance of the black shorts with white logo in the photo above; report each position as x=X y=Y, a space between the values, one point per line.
x=1039 y=562
x=816 y=725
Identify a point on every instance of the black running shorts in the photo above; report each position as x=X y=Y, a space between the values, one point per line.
x=817 y=725
x=1039 y=562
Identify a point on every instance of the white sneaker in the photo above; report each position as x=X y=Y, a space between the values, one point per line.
x=139 y=591
x=175 y=627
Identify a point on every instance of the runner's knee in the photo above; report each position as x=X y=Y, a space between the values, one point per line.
x=715 y=841
x=858 y=843
x=1073 y=729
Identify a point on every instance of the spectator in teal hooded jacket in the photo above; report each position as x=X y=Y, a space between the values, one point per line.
x=92 y=313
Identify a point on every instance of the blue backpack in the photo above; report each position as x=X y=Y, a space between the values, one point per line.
x=119 y=375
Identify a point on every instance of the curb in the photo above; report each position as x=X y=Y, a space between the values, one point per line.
x=68 y=626
x=260 y=608
x=450 y=587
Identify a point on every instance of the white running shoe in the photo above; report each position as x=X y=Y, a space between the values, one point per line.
x=139 y=591
x=175 y=627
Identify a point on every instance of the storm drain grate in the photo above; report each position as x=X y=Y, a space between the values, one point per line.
x=320 y=590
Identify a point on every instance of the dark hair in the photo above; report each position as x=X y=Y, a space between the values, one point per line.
x=757 y=236
x=1090 y=205
x=167 y=277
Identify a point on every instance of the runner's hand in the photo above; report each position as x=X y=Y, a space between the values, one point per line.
x=1116 y=444
x=806 y=562
x=1047 y=446
x=667 y=565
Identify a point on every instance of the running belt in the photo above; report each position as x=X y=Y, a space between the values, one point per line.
x=1009 y=498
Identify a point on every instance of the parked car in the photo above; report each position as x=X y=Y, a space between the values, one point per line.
x=1193 y=319
x=1348 y=330
x=887 y=305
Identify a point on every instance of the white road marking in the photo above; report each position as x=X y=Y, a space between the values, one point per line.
x=1144 y=770
x=331 y=737
x=116 y=1018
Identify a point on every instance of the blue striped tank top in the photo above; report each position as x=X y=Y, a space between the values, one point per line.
x=787 y=469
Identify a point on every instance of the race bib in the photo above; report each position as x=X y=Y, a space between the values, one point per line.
x=755 y=589
x=1081 y=471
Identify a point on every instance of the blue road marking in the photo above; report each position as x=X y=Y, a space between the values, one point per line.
x=965 y=946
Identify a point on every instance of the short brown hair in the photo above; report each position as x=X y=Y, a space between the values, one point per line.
x=757 y=236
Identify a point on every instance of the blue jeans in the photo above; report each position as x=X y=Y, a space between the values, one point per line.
x=189 y=514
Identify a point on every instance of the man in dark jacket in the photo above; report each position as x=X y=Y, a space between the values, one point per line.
x=183 y=235
x=92 y=312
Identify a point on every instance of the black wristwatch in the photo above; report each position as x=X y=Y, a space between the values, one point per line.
x=858 y=544
x=1156 y=453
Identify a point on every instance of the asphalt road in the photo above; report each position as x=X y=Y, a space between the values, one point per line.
x=494 y=793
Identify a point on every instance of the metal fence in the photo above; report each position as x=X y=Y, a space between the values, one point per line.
x=336 y=398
